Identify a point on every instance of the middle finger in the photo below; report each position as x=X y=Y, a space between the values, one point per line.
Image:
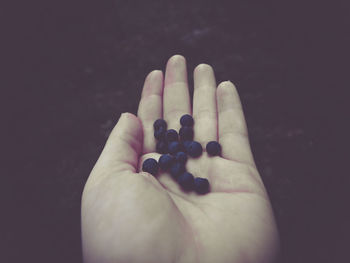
x=204 y=105
x=176 y=98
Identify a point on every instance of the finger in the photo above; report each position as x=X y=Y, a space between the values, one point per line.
x=204 y=104
x=176 y=99
x=233 y=134
x=124 y=145
x=150 y=107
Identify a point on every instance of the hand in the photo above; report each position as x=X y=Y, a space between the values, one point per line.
x=131 y=216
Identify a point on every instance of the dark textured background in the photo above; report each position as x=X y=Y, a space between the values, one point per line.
x=74 y=67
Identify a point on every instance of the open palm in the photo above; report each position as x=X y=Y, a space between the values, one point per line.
x=131 y=216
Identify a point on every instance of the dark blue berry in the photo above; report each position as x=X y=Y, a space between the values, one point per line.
x=160 y=123
x=171 y=135
x=173 y=147
x=181 y=157
x=213 y=148
x=201 y=185
x=185 y=145
x=186 y=181
x=177 y=169
x=194 y=149
x=182 y=147
x=165 y=161
x=186 y=133
x=159 y=133
x=186 y=120
x=162 y=147
x=150 y=166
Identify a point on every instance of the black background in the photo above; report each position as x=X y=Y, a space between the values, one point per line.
x=71 y=68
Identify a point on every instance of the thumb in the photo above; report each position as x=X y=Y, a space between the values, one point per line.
x=124 y=145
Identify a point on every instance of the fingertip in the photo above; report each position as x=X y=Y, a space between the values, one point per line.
x=203 y=67
x=128 y=115
x=176 y=59
x=133 y=119
x=158 y=71
x=154 y=74
x=130 y=124
x=153 y=83
x=226 y=88
x=226 y=84
x=176 y=70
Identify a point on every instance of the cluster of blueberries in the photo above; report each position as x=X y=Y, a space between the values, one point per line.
x=175 y=147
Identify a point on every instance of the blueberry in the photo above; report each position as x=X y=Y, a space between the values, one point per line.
x=159 y=133
x=150 y=166
x=165 y=161
x=194 y=149
x=213 y=148
x=186 y=120
x=177 y=169
x=160 y=123
x=186 y=181
x=162 y=147
x=201 y=185
x=171 y=135
x=182 y=147
x=185 y=145
x=181 y=157
x=173 y=147
x=186 y=133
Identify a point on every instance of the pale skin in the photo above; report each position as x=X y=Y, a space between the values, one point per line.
x=131 y=216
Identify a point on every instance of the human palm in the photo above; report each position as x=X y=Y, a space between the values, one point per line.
x=131 y=216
